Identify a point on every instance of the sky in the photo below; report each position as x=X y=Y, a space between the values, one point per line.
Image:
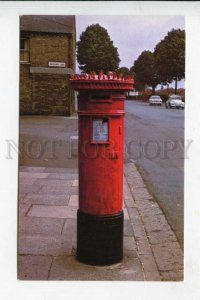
x=132 y=34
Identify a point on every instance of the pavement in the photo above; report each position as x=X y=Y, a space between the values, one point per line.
x=48 y=203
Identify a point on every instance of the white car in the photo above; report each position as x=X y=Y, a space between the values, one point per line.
x=155 y=100
x=182 y=104
x=174 y=101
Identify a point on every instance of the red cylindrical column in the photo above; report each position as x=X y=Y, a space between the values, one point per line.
x=101 y=134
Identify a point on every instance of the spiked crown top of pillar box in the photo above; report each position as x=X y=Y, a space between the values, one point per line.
x=111 y=81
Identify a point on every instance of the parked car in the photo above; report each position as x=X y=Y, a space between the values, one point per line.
x=174 y=101
x=155 y=100
x=182 y=104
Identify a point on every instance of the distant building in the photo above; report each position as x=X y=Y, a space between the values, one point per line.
x=47 y=58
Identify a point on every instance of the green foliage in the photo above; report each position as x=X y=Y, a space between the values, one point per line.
x=124 y=70
x=145 y=70
x=170 y=56
x=95 y=50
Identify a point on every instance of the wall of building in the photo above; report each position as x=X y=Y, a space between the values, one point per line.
x=46 y=47
x=25 y=89
x=43 y=93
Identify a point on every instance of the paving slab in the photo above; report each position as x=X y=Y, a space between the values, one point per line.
x=156 y=223
x=36 y=244
x=134 y=179
x=140 y=193
x=73 y=200
x=130 y=254
x=126 y=190
x=149 y=209
x=147 y=204
x=153 y=276
x=49 y=199
x=144 y=247
x=32 y=174
x=161 y=237
x=131 y=270
x=21 y=197
x=34 y=267
x=126 y=215
x=52 y=211
x=168 y=257
x=61 y=170
x=75 y=183
x=129 y=202
x=130 y=169
x=29 y=188
x=47 y=191
x=26 y=180
x=134 y=215
x=54 y=190
x=70 y=227
x=31 y=169
x=129 y=243
x=139 y=232
x=69 y=268
x=61 y=183
x=148 y=262
x=172 y=275
x=62 y=176
x=42 y=226
x=23 y=209
x=128 y=228
x=137 y=183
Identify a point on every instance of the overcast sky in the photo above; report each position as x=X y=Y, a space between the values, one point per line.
x=133 y=34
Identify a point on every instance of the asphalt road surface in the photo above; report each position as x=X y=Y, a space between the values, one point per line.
x=46 y=141
x=154 y=139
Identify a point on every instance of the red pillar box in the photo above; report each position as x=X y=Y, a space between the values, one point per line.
x=101 y=133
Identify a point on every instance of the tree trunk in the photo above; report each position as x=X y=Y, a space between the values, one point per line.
x=176 y=83
x=153 y=90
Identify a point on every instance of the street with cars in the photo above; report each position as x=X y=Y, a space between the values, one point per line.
x=154 y=140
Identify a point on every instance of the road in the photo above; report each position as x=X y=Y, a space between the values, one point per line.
x=154 y=139
x=45 y=141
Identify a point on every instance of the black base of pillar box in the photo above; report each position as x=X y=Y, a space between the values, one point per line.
x=99 y=238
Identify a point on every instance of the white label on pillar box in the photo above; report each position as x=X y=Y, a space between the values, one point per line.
x=100 y=130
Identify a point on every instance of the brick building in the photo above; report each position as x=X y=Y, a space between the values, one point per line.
x=47 y=58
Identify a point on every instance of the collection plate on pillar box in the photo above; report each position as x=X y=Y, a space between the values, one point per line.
x=100 y=130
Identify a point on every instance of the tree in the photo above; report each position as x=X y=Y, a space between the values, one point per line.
x=124 y=70
x=95 y=50
x=145 y=71
x=170 y=57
